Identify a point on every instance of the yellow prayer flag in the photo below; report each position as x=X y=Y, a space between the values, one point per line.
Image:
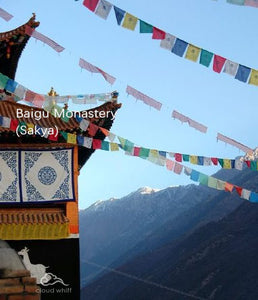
x=193 y=159
x=192 y=53
x=153 y=153
x=71 y=138
x=221 y=185
x=114 y=147
x=130 y=21
x=254 y=77
x=30 y=126
x=226 y=163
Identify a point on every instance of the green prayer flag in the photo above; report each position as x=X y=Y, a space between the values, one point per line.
x=64 y=134
x=3 y=81
x=122 y=141
x=254 y=165
x=21 y=123
x=128 y=146
x=212 y=182
x=105 y=145
x=203 y=179
x=64 y=116
x=145 y=27
x=144 y=152
x=185 y=157
x=205 y=58
x=238 y=2
x=221 y=162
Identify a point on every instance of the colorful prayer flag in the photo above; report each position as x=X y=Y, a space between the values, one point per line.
x=192 y=53
x=218 y=63
x=193 y=159
x=178 y=157
x=229 y=187
x=212 y=182
x=5 y=15
x=10 y=85
x=179 y=47
x=103 y=9
x=254 y=77
x=253 y=3
x=144 y=152
x=71 y=138
x=205 y=58
x=203 y=179
x=178 y=168
x=242 y=73
x=245 y=194
x=195 y=175
x=253 y=197
x=3 y=81
x=230 y=67
x=168 y=42
x=119 y=14
x=158 y=34
x=145 y=27
x=105 y=145
x=114 y=147
x=238 y=2
x=130 y=21
x=169 y=164
x=90 y=4
x=96 y=144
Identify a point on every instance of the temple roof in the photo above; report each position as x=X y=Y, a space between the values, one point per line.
x=12 y=44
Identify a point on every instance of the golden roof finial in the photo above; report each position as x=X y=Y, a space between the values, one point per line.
x=52 y=92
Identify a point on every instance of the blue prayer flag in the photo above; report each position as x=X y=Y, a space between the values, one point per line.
x=11 y=85
x=80 y=140
x=243 y=73
x=195 y=175
x=253 y=197
x=200 y=160
x=119 y=14
x=179 y=47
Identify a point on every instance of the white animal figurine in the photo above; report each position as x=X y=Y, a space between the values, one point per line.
x=37 y=271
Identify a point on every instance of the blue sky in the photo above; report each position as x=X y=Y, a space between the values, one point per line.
x=218 y=101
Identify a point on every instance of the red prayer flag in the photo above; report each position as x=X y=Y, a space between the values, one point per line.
x=96 y=144
x=239 y=190
x=214 y=160
x=136 y=151
x=158 y=34
x=91 y=4
x=218 y=63
x=53 y=137
x=178 y=157
x=248 y=163
x=92 y=129
x=14 y=124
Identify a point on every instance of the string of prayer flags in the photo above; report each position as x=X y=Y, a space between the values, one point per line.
x=41 y=37
x=175 y=44
x=93 y=69
x=103 y=9
x=192 y=123
x=146 y=99
x=232 y=142
x=5 y=15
